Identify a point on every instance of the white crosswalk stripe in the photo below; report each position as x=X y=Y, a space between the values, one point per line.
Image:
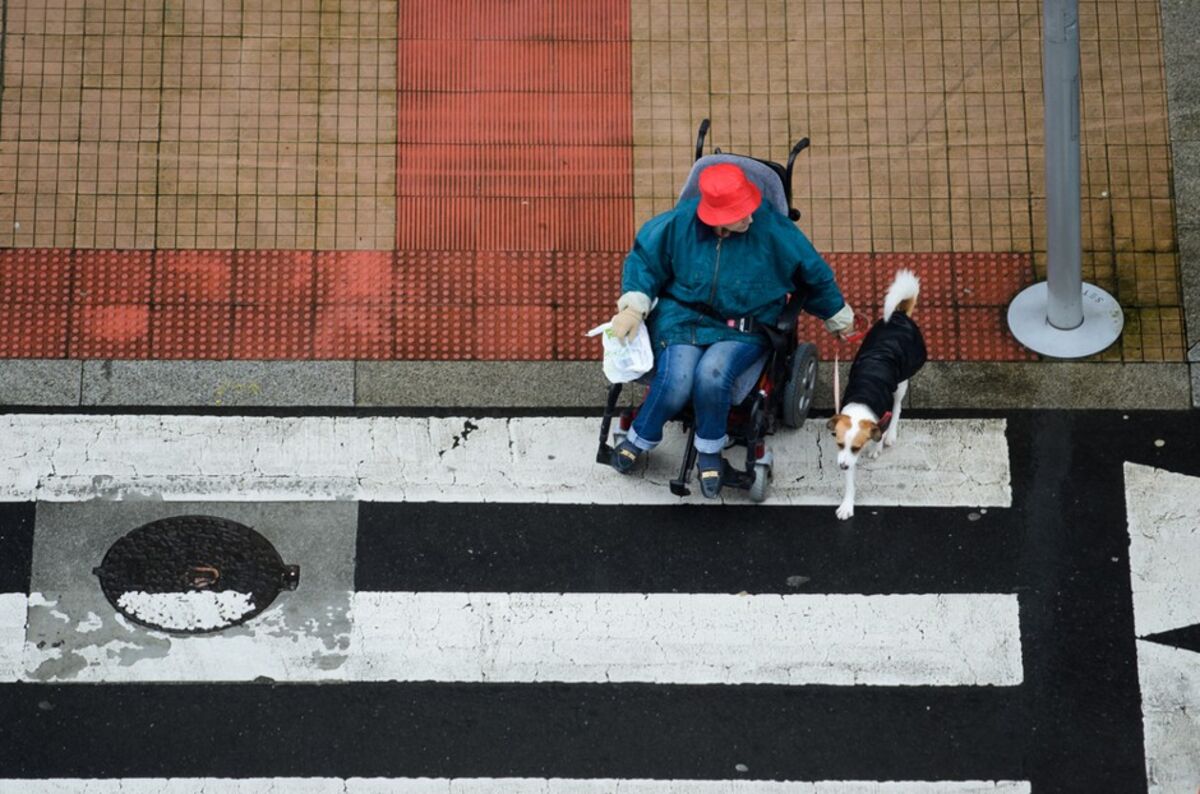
x=946 y=462
x=501 y=786
x=700 y=638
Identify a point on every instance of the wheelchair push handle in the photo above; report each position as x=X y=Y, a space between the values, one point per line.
x=700 y=136
x=800 y=146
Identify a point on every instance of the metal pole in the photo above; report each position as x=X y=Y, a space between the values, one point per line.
x=1062 y=317
x=1060 y=80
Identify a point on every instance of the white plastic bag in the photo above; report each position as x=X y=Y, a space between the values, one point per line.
x=624 y=362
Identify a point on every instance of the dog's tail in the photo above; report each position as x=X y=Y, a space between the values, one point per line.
x=902 y=295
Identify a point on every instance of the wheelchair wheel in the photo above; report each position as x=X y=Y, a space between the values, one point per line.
x=762 y=477
x=802 y=383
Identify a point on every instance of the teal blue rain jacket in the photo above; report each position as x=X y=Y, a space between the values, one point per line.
x=678 y=257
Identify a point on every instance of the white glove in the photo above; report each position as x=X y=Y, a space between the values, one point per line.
x=632 y=308
x=842 y=322
x=625 y=324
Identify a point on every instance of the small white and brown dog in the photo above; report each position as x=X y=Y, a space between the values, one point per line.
x=891 y=353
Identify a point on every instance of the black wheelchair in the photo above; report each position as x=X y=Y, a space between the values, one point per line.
x=777 y=389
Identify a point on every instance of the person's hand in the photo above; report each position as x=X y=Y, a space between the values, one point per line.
x=841 y=323
x=625 y=324
x=632 y=308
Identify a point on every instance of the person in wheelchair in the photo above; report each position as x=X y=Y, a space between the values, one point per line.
x=721 y=267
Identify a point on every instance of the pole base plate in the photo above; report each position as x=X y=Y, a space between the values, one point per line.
x=1101 y=326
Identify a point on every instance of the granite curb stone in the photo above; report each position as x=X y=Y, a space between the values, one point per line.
x=218 y=383
x=551 y=385
x=1044 y=385
x=39 y=381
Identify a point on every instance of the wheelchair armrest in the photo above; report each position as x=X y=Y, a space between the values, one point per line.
x=789 y=318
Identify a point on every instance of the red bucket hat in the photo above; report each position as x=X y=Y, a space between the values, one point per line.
x=726 y=195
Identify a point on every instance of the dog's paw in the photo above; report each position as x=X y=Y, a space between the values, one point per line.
x=889 y=437
x=845 y=511
x=874 y=451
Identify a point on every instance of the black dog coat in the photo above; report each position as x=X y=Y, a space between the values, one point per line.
x=891 y=353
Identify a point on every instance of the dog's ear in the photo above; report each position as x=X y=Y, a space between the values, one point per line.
x=876 y=433
x=833 y=422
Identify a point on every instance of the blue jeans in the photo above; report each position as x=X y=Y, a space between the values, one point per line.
x=704 y=375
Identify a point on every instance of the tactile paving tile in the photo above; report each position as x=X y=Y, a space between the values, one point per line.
x=855 y=275
x=990 y=279
x=524 y=64
x=593 y=171
x=35 y=275
x=363 y=277
x=591 y=66
x=586 y=224
x=984 y=336
x=435 y=332
x=519 y=171
x=435 y=277
x=519 y=224
x=436 y=224
x=272 y=332
x=193 y=277
x=570 y=325
x=514 y=332
x=191 y=331
x=508 y=277
x=33 y=330
x=273 y=277
x=935 y=270
x=445 y=64
x=353 y=331
x=434 y=169
x=587 y=278
x=112 y=276
x=115 y=330
x=593 y=119
x=598 y=20
x=939 y=327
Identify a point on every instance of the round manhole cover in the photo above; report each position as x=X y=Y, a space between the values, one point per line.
x=193 y=574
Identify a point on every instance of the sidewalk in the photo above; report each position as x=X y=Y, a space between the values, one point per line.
x=392 y=205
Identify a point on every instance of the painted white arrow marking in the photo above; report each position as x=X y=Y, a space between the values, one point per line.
x=949 y=462
x=1163 y=510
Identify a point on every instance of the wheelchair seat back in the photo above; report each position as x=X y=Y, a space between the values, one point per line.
x=763 y=175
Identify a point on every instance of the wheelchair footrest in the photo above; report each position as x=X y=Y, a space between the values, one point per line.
x=604 y=454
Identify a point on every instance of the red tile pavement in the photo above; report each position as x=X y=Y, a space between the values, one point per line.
x=112 y=276
x=274 y=277
x=273 y=332
x=986 y=279
x=526 y=330
x=984 y=336
x=405 y=304
x=193 y=277
x=441 y=332
x=514 y=210
x=110 y=330
x=33 y=330
x=191 y=331
x=354 y=331
x=35 y=275
x=363 y=277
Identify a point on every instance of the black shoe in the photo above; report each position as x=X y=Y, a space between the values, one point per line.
x=625 y=457
x=710 y=468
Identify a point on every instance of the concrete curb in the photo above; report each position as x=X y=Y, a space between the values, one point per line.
x=541 y=384
x=1181 y=59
